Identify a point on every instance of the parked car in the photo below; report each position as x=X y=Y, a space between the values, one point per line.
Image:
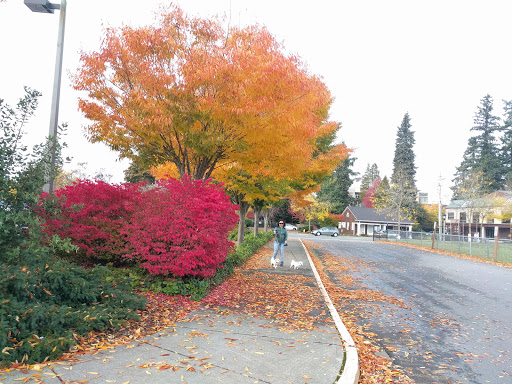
x=387 y=234
x=331 y=231
x=290 y=227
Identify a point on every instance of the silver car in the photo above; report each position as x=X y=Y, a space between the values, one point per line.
x=387 y=234
x=331 y=231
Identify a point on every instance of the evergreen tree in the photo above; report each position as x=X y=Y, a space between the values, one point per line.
x=423 y=221
x=506 y=145
x=369 y=176
x=403 y=162
x=401 y=198
x=335 y=188
x=482 y=152
x=136 y=173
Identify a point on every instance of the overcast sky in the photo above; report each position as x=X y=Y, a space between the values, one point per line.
x=380 y=59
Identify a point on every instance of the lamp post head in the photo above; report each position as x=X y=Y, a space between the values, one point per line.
x=42 y=6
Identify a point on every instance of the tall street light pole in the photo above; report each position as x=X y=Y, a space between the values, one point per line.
x=44 y=6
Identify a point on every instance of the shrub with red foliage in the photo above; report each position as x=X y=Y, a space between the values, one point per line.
x=334 y=219
x=92 y=214
x=369 y=198
x=181 y=228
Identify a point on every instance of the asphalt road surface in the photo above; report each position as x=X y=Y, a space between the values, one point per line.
x=457 y=324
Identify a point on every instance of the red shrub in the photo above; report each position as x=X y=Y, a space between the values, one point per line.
x=369 y=198
x=181 y=228
x=92 y=214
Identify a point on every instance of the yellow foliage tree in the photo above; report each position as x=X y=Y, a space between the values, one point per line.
x=311 y=208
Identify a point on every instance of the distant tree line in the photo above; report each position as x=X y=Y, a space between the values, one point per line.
x=486 y=167
x=399 y=195
x=488 y=156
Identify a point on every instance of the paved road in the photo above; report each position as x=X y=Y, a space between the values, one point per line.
x=458 y=324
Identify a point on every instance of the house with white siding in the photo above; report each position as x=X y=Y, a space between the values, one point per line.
x=359 y=221
x=481 y=217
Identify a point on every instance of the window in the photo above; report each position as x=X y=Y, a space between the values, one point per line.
x=463 y=217
x=451 y=215
x=348 y=214
x=423 y=197
x=476 y=217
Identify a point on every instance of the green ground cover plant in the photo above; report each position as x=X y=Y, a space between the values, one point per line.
x=44 y=301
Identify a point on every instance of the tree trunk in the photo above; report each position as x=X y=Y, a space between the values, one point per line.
x=257 y=212
x=266 y=216
x=243 y=207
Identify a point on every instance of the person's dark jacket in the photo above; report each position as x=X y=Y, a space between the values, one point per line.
x=281 y=235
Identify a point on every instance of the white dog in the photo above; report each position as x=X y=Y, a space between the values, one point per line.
x=273 y=262
x=296 y=264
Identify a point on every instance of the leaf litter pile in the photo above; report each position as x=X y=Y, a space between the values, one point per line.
x=288 y=300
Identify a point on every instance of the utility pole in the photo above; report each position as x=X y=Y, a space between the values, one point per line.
x=439 y=217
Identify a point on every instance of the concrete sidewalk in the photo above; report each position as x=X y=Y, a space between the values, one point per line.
x=213 y=347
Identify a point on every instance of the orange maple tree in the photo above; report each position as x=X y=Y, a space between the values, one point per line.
x=188 y=92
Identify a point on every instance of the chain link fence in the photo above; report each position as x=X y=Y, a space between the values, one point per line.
x=482 y=247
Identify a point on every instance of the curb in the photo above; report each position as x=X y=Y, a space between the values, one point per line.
x=350 y=373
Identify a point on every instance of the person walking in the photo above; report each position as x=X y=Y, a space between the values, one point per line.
x=281 y=239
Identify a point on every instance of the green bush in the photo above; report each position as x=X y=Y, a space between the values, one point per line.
x=313 y=224
x=43 y=301
x=141 y=280
x=196 y=288
x=233 y=234
x=250 y=245
x=331 y=220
